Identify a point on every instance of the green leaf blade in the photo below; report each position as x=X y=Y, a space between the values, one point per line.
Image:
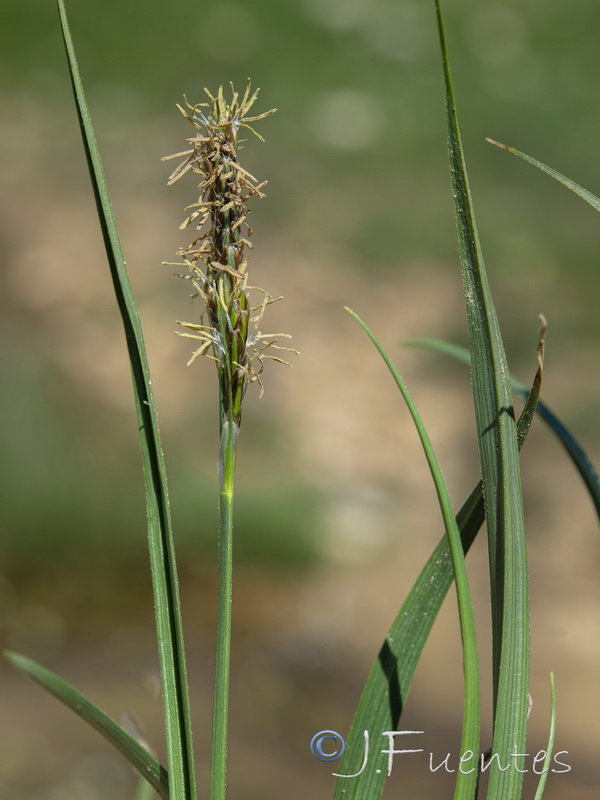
x=550 y=746
x=147 y=766
x=500 y=467
x=388 y=684
x=160 y=538
x=371 y=785
x=574 y=187
x=574 y=450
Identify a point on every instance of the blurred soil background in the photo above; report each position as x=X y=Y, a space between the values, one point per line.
x=336 y=513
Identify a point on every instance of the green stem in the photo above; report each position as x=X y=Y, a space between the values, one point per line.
x=229 y=431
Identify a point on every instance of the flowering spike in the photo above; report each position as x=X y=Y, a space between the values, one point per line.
x=216 y=258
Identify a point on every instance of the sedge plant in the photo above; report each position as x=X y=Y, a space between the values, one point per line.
x=227 y=331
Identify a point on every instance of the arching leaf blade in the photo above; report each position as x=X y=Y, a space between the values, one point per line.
x=147 y=766
x=388 y=685
x=466 y=779
x=575 y=451
x=558 y=176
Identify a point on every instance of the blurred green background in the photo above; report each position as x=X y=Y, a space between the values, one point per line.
x=335 y=513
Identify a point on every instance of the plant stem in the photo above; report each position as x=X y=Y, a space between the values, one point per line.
x=223 y=650
x=218 y=268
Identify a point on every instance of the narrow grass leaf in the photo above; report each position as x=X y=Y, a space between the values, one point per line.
x=162 y=552
x=387 y=687
x=153 y=773
x=550 y=745
x=500 y=469
x=580 y=459
x=584 y=466
x=577 y=454
x=466 y=779
x=574 y=187
x=386 y=691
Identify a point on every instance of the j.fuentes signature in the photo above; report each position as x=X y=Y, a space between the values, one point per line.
x=329 y=746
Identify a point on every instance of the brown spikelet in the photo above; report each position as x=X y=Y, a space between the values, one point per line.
x=215 y=259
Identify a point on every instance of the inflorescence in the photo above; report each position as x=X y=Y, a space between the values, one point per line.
x=215 y=261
